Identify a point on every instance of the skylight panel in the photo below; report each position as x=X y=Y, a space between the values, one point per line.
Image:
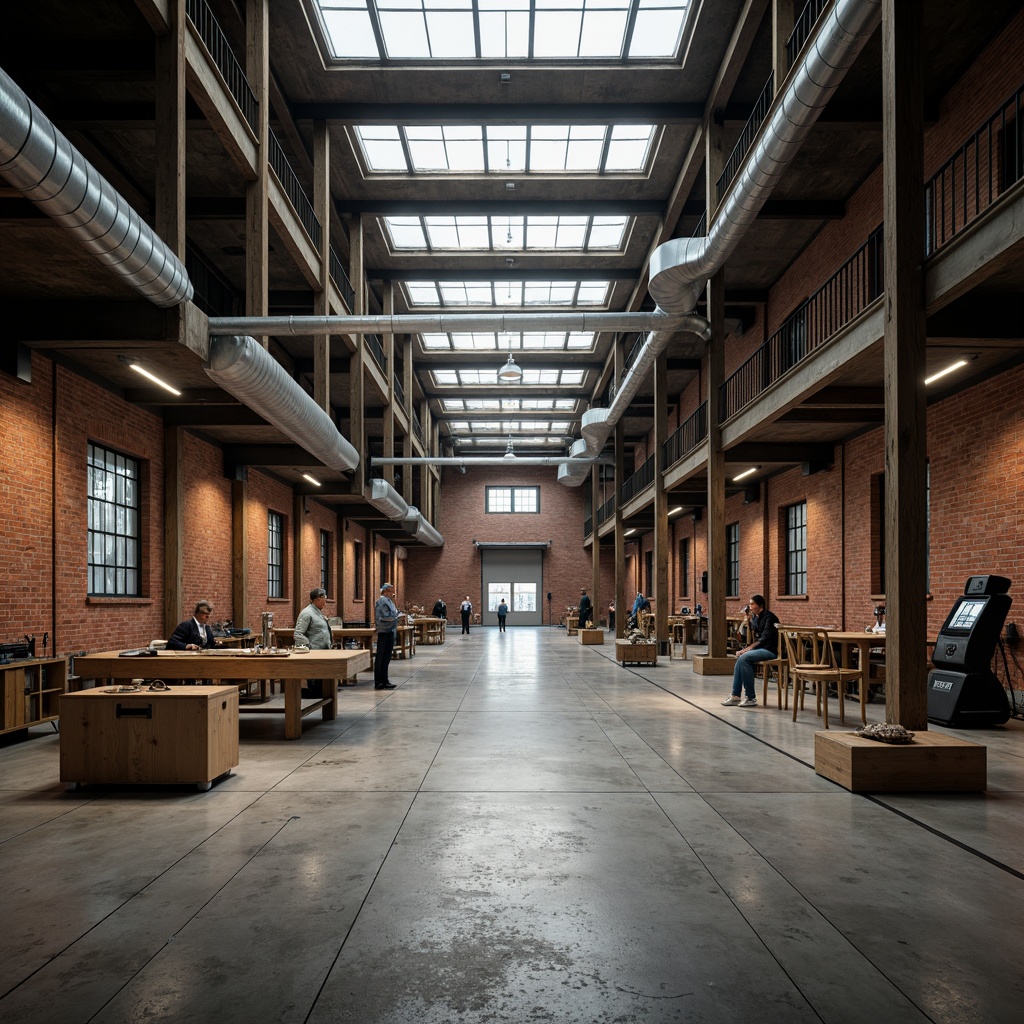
x=436 y=342
x=607 y=233
x=511 y=295
x=407 y=233
x=572 y=377
x=481 y=404
x=382 y=145
x=580 y=340
x=629 y=147
x=500 y=30
x=423 y=293
x=446 y=377
x=466 y=293
x=550 y=293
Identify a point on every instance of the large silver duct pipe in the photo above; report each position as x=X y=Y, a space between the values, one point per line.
x=44 y=166
x=681 y=267
x=418 y=527
x=598 y=424
x=243 y=368
x=384 y=498
x=440 y=323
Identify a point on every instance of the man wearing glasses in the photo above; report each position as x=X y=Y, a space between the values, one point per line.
x=196 y=633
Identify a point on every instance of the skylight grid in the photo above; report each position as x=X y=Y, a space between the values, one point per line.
x=465 y=233
x=509 y=295
x=475 y=341
x=506 y=149
x=509 y=405
x=497 y=30
x=487 y=376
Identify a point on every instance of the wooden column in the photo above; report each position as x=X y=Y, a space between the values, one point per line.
x=623 y=602
x=389 y=405
x=906 y=564
x=356 y=370
x=783 y=20
x=342 y=588
x=661 y=547
x=714 y=161
x=257 y=225
x=174 y=529
x=299 y=588
x=595 y=546
x=423 y=502
x=716 y=662
x=169 y=168
x=239 y=553
x=321 y=299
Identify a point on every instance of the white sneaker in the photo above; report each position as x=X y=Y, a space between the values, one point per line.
x=730 y=702
x=750 y=702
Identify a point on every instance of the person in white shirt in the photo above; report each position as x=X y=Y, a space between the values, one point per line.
x=466 y=610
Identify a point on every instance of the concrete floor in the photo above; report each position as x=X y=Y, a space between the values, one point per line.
x=522 y=831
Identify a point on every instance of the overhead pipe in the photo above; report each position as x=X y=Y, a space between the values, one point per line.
x=417 y=527
x=384 y=498
x=243 y=368
x=490 y=460
x=39 y=161
x=441 y=323
x=681 y=267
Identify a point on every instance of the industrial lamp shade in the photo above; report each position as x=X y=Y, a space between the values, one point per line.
x=510 y=373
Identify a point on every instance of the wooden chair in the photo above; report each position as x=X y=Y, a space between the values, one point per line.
x=812 y=660
x=778 y=667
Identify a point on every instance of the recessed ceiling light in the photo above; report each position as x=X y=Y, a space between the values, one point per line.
x=948 y=369
x=156 y=380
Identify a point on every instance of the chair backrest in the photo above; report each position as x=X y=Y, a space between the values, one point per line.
x=808 y=647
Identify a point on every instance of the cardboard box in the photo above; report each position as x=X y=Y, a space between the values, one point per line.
x=636 y=654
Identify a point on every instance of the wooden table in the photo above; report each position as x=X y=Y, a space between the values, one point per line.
x=405 y=644
x=858 y=640
x=423 y=624
x=239 y=667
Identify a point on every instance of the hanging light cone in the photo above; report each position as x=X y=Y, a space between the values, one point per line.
x=510 y=373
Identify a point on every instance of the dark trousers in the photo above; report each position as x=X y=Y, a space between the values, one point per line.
x=501 y=623
x=465 y=622
x=385 y=645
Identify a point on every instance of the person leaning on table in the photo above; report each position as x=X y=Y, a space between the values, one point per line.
x=385 y=617
x=196 y=633
x=312 y=630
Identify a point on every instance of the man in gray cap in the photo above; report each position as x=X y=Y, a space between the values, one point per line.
x=385 y=616
x=312 y=630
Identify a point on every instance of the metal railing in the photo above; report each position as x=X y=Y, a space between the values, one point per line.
x=633 y=353
x=372 y=342
x=802 y=29
x=857 y=283
x=417 y=428
x=588 y=525
x=640 y=480
x=340 y=276
x=212 y=292
x=754 y=122
x=980 y=171
x=687 y=437
x=399 y=390
x=290 y=183
x=219 y=48
x=606 y=511
x=702 y=226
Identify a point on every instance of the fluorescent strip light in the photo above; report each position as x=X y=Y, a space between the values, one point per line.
x=948 y=369
x=745 y=473
x=155 y=380
x=675 y=510
x=628 y=532
x=312 y=479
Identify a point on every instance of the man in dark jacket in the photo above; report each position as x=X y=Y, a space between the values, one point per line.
x=764 y=627
x=196 y=633
x=586 y=610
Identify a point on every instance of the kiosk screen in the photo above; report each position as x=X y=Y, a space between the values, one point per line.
x=964 y=616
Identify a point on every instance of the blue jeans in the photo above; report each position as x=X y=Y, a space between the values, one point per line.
x=743 y=672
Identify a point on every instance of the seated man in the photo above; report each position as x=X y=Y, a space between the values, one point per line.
x=764 y=627
x=194 y=634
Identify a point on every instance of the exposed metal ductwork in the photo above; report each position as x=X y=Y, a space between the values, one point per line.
x=384 y=498
x=680 y=268
x=489 y=460
x=242 y=367
x=418 y=527
x=45 y=167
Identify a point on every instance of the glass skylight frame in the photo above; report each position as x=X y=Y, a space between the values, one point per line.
x=501 y=294
x=513 y=150
x=445 y=377
x=606 y=234
x=519 y=341
x=503 y=31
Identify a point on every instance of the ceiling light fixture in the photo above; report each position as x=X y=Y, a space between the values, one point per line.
x=628 y=532
x=312 y=479
x=510 y=373
x=745 y=473
x=156 y=380
x=676 y=510
x=509 y=454
x=948 y=369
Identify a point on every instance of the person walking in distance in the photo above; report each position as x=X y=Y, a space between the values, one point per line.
x=385 y=615
x=502 y=612
x=466 y=610
x=586 y=610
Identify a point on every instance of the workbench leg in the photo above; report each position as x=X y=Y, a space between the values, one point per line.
x=331 y=696
x=292 y=708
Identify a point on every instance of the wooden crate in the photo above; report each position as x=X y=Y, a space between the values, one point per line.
x=186 y=734
x=932 y=763
x=636 y=654
x=591 y=636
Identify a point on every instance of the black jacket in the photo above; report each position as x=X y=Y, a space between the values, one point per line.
x=186 y=633
x=766 y=631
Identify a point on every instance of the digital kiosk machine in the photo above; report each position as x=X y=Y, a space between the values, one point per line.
x=963 y=691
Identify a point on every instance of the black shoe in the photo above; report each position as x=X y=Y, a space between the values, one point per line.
x=384 y=686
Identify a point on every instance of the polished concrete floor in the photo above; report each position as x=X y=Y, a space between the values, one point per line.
x=522 y=831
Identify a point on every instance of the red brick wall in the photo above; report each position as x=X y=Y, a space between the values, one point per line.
x=263 y=495
x=454 y=570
